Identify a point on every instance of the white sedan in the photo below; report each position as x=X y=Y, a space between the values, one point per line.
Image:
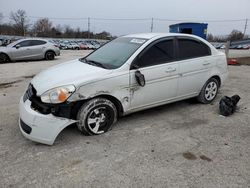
x=128 y=74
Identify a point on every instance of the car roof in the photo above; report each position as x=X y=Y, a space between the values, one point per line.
x=153 y=35
x=24 y=39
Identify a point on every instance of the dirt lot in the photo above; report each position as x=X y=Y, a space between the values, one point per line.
x=184 y=144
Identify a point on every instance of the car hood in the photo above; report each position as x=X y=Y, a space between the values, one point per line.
x=73 y=72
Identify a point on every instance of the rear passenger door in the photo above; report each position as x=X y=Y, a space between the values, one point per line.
x=195 y=64
x=37 y=48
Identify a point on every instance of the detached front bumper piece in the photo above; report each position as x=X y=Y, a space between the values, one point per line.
x=39 y=127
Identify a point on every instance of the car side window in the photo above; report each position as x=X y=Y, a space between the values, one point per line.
x=37 y=42
x=159 y=53
x=189 y=48
x=24 y=43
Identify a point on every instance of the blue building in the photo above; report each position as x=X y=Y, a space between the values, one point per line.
x=199 y=29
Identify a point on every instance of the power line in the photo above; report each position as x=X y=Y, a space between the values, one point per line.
x=192 y=20
x=122 y=19
x=56 y=18
x=135 y=19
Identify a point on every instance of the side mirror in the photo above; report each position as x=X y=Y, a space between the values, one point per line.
x=17 y=46
x=140 y=78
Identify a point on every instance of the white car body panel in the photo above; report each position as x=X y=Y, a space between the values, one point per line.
x=45 y=128
x=165 y=83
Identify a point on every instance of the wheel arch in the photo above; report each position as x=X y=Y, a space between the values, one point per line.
x=217 y=78
x=113 y=99
x=6 y=55
x=49 y=51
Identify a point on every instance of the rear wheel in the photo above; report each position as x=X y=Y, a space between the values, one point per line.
x=3 y=58
x=49 y=55
x=209 y=91
x=96 y=116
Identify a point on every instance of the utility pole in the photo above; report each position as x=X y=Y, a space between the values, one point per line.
x=88 y=27
x=245 y=27
x=152 y=25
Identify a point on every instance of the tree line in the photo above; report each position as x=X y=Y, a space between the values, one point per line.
x=20 y=25
x=233 y=36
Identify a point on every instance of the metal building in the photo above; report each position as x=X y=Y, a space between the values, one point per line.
x=199 y=29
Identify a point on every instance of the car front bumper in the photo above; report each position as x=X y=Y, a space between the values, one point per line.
x=38 y=127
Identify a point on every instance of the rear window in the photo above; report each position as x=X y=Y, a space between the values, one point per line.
x=37 y=42
x=189 y=48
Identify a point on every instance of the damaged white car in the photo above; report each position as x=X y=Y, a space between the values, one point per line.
x=128 y=74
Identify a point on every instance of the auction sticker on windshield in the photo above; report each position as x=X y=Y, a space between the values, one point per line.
x=138 y=41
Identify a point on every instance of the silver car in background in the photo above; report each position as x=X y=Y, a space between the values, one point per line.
x=29 y=49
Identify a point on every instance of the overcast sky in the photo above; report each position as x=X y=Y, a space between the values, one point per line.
x=179 y=10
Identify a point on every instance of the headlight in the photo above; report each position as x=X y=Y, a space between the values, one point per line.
x=57 y=95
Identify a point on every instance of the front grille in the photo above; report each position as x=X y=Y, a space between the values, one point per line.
x=26 y=128
x=29 y=93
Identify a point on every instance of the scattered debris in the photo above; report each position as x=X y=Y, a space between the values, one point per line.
x=205 y=158
x=189 y=156
x=8 y=84
x=29 y=76
x=228 y=105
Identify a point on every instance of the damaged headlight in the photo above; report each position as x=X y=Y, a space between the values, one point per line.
x=58 y=95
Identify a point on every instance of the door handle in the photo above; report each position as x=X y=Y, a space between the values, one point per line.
x=170 y=69
x=28 y=49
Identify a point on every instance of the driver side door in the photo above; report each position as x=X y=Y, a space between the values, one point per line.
x=23 y=51
x=157 y=63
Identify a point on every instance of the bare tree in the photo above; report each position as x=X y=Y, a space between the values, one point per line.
x=235 y=35
x=21 y=23
x=43 y=27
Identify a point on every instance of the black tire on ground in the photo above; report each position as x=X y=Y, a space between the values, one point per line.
x=209 y=91
x=49 y=55
x=3 y=58
x=96 y=116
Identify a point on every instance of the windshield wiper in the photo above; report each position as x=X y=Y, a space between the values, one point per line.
x=91 y=62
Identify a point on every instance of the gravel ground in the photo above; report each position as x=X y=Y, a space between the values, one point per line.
x=184 y=144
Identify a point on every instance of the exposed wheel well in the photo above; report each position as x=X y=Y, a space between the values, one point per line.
x=114 y=100
x=218 y=79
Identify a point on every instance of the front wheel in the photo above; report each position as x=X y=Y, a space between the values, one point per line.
x=209 y=91
x=3 y=58
x=96 y=116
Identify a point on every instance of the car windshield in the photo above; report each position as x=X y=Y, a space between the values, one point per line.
x=115 y=53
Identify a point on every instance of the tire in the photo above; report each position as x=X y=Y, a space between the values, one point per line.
x=49 y=55
x=3 y=58
x=96 y=116
x=209 y=91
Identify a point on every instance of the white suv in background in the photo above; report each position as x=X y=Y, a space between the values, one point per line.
x=29 y=49
x=128 y=74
